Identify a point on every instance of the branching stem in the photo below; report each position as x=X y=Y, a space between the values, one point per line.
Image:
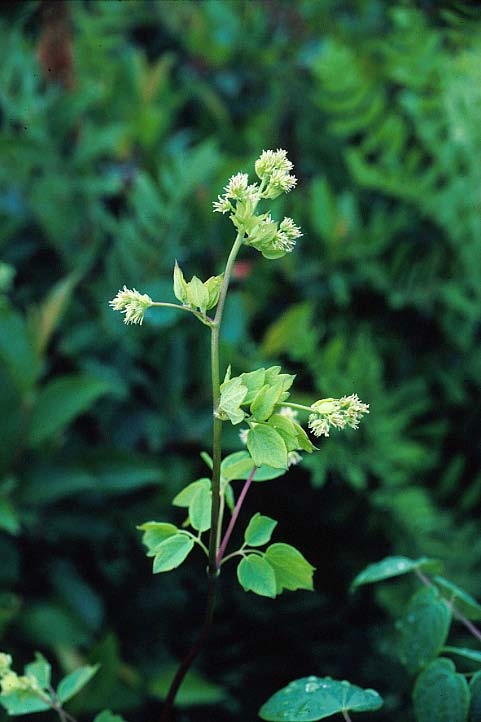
x=202 y=316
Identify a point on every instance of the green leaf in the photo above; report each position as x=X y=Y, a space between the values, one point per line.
x=40 y=669
x=200 y=507
x=463 y=602
x=424 y=629
x=185 y=497
x=471 y=654
x=60 y=402
x=254 y=381
x=393 y=567
x=315 y=698
x=155 y=533
x=180 y=285
x=17 y=351
x=232 y=395
x=240 y=464
x=293 y=434
x=197 y=294
x=195 y=689
x=266 y=446
x=172 y=552
x=265 y=400
x=259 y=530
x=292 y=570
x=22 y=702
x=75 y=681
x=441 y=695
x=9 y=520
x=255 y=574
x=107 y=716
x=475 y=690
x=213 y=286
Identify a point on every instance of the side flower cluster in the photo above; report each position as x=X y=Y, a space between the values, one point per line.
x=11 y=682
x=240 y=199
x=132 y=303
x=339 y=413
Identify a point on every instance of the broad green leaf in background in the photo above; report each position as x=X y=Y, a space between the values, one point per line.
x=259 y=530
x=170 y=553
x=75 y=681
x=441 y=695
x=463 y=602
x=292 y=570
x=60 y=402
x=17 y=350
x=314 y=698
x=424 y=629
x=471 y=654
x=266 y=446
x=393 y=567
x=475 y=690
x=256 y=575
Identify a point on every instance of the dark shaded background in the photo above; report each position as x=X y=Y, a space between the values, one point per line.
x=120 y=123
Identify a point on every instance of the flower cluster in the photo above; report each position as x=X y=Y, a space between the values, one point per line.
x=11 y=682
x=132 y=303
x=339 y=413
x=240 y=199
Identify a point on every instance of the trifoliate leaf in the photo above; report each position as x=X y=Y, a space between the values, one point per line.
x=292 y=570
x=232 y=395
x=424 y=629
x=172 y=552
x=393 y=567
x=441 y=695
x=259 y=530
x=180 y=285
x=256 y=575
x=314 y=698
x=266 y=446
x=463 y=602
x=155 y=533
x=75 y=681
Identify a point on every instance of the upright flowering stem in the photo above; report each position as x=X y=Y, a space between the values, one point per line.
x=213 y=571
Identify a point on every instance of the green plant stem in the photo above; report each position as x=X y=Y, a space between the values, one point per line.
x=201 y=316
x=291 y=405
x=212 y=570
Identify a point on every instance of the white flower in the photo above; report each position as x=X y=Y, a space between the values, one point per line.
x=132 y=303
x=222 y=205
x=243 y=435
x=339 y=413
x=272 y=160
x=237 y=186
x=288 y=412
x=288 y=227
x=293 y=458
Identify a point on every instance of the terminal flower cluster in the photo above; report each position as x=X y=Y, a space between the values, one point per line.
x=132 y=303
x=339 y=413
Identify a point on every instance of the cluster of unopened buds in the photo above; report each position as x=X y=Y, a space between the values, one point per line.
x=11 y=682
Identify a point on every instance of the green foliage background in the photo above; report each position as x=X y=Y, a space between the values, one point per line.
x=109 y=176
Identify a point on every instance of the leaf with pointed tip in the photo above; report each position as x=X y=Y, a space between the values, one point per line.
x=424 y=629
x=463 y=602
x=254 y=381
x=256 y=575
x=314 y=698
x=266 y=446
x=292 y=570
x=180 y=285
x=155 y=533
x=75 y=681
x=197 y=294
x=259 y=530
x=172 y=552
x=393 y=567
x=441 y=695
x=265 y=400
x=40 y=669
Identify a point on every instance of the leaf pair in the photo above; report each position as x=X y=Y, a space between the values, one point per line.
x=168 y=545
x=280 y=567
